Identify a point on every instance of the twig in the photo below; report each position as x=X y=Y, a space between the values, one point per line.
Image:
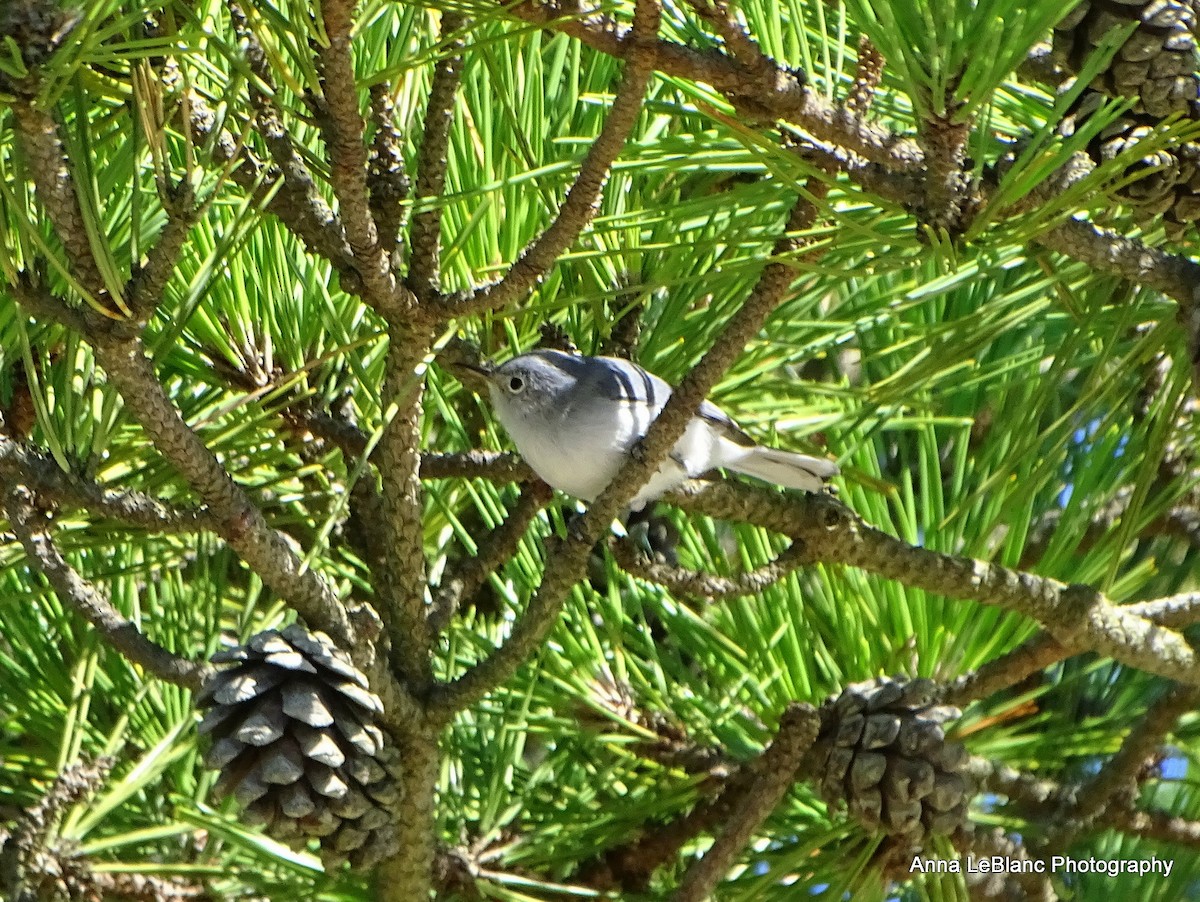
x=348 y=162
x=582 y=199
x=785 y=94
x=1119 y=776
x=696 y=584
x=145 y=288
x=567 y=563
x=239 y=521
x=1174 y=275
x=234 y=517
x=742 y=47
x=1158 y=825
x=775 y=771
x=425 y=239
x=1175 y=611
x=498 y=466
x=387 y=179
x=1046 y=799
x=495 y=548
x=297 y=206
x=1011 y=668
x=82 y=597
x=21 y=464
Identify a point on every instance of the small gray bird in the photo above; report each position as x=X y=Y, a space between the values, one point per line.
x=575 y=418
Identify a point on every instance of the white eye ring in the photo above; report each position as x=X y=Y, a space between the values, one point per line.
x=516 y=384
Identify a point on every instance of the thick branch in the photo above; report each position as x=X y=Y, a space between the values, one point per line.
x=82 y=597
x=1077 y=616
x=37 y=134
x=402 y=585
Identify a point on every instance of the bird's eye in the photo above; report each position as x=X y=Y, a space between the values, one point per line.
x=516 y=384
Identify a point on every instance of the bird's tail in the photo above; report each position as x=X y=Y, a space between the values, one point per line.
x=786 y=468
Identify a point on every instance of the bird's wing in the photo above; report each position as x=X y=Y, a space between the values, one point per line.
x=623 y=380
x=723 y=422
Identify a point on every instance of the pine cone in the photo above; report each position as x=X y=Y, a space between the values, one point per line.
x=1157 y=62
x=1157 y=65
x=1166 y=186
x=883 y=751
x=293 y=731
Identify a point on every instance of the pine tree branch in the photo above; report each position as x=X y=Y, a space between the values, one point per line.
x=1173 y=611
x=786 y=94
x=408 y=875
x=1119 y=776
x=145 y=288
x=387 y=179
x=425 y=239
x=1032 y=656
x=1044 y=800
x=775 y=772
x=239 y=521
x=346 y=138
x=566 y=564
x=233 y=516
x=498 y=466
x=583 y=197
x=1175 y=275
x=119 y=350
x=685 y=583
x=401 y=587
x=1077 y=616
x=944 y=144
x=38 y=137
x=294 y=202
x=494 y=549
x=22 y=464
x=82 y=597
x=1162 y=826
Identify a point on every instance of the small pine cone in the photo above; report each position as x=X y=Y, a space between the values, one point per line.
x=38 y=28
x=883 y=751
x=292 y=724
x=1157 y=64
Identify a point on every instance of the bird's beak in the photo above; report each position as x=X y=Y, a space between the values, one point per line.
x=478 y=373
